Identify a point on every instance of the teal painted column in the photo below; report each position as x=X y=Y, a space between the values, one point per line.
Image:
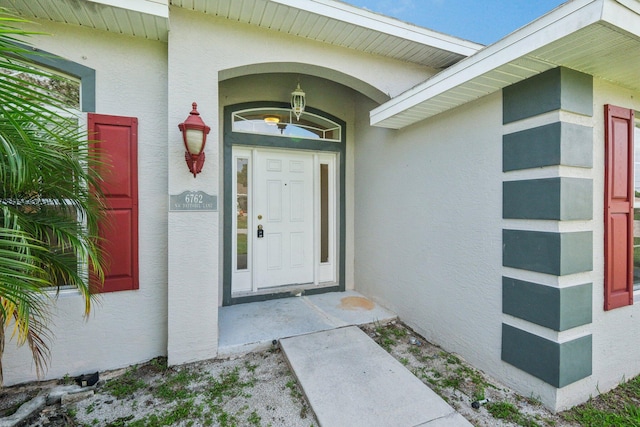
x=556 y=198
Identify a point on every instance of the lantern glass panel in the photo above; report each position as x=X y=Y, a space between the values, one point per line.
x=194 y=141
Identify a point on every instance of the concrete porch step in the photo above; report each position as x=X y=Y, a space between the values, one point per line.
x=249 y=327
x=351 y=381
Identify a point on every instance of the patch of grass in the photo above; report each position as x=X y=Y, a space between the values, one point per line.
x=228 y=385
x=159 y=364
x=477 y=380
x=425 y=359
x=296 y=394
x=388 y=334
x=509 y=412
x=183 y=410
x=502 y=410
x=397 y=332
x=619 y=407
x=125 y=385
x=415 y=350
x=453 y=382
x=254 y=419
x=452 y=360
x=293 y=389
x=251 y=368
x=531 y=400
x=590 y=415
x=120 y=422
x=478 y=395
x=176 y=386
x=226 y=420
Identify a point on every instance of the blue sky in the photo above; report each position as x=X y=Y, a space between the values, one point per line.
x=481 y=21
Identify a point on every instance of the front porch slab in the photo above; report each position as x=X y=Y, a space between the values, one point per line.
x=253 y=326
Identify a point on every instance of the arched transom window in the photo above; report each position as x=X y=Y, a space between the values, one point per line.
x=282 y=122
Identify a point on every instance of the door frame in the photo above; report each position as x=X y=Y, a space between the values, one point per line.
x=231 y=139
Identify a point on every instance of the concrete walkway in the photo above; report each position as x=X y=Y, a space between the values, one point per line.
x=348 y=379
x=351 y=381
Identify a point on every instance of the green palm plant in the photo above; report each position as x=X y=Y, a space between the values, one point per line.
x=49 y=208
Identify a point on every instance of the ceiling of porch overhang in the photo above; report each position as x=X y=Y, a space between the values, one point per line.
x=597 y=37
x=327 y=21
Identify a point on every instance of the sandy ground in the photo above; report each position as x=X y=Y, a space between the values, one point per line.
x=460 y=384
x=259 y=389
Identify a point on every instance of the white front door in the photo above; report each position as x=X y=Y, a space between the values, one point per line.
x=284 y=227
x=283 y=207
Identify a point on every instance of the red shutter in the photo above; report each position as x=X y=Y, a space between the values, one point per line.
x=618 y=205
x=117 y=142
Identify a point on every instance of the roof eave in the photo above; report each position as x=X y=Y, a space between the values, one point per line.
x=361 y=17
x=341 y=25
x=512 y=52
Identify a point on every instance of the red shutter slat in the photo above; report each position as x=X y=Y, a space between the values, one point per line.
x=619 y=194
x=116 y=141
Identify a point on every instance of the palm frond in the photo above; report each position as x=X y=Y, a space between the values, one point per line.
x=50 y=204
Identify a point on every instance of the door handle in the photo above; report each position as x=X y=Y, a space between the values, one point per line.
x=260 y=231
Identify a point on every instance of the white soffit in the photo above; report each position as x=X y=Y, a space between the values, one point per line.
x=340 y=24
x=327 y=21
x=597 y=37
x=142 y=18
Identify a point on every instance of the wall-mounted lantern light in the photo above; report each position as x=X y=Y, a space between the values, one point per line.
x=194 y=135
x=298 y=101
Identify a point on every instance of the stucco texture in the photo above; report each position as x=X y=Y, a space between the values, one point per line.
x=428 y=229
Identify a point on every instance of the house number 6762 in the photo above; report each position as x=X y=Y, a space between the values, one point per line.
x=193 y=198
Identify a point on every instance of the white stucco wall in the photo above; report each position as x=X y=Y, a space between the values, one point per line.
x=124 y=327
x=429 y=230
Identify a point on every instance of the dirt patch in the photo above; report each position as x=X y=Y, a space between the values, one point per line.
x=459 y=384
x=259 y=389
